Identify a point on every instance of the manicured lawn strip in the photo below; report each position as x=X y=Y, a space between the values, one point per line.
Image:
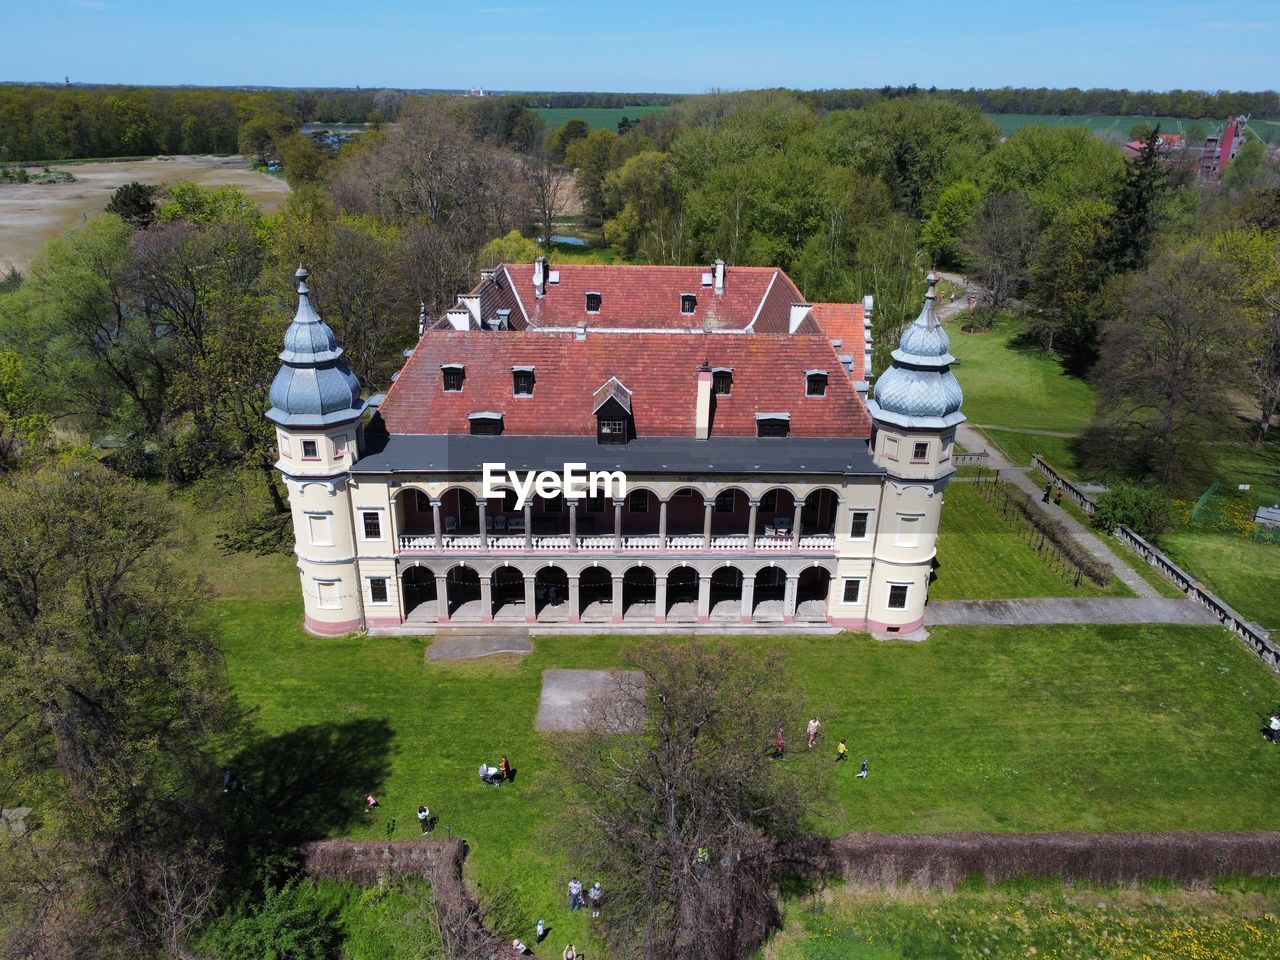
x=1019 y=447
x=1044 y=921
x=982 y=557
x=1008 y=386
x=596 y=117
x=1245 y=573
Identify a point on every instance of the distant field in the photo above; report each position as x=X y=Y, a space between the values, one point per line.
x=1268 y=130
x=597 y=117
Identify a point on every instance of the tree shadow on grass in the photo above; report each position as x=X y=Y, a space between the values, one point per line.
x=304 y=785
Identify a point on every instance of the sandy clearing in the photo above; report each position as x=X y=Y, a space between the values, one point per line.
x=32 y=214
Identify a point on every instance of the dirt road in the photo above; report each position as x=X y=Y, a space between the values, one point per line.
x=32 y=214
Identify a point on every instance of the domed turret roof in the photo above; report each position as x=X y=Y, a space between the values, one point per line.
x=314 y=388
x=919 y=389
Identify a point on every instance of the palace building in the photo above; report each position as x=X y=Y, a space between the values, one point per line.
x=763 y=486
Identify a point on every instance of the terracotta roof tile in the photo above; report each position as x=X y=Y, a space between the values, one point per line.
x=843 y=322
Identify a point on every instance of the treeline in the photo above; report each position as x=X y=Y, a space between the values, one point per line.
x=1071 y=101
x=40 y=122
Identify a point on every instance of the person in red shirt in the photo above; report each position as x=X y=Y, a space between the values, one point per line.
x=777 y=745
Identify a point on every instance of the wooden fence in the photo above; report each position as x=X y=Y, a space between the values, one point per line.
x=1257 y=639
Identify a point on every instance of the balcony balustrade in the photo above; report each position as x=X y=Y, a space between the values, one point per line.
x=630 y=543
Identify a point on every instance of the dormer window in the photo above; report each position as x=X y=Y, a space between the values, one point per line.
x=522 y=381
x=486 y=424
x=722 y=381
x=453 y=374
x=815 y=383
x=688 y=303
x=593 y=303
x=773 y=424
x=612 y=409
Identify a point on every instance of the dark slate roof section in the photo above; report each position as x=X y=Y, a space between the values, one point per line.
x=791 y=456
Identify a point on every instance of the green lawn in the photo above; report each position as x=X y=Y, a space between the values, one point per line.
x=1019 y=447
x=982 y=557
x=1245 y=573
x=597 y=117
x=1009 y=386
x=1010 y=123
x=1041 y=920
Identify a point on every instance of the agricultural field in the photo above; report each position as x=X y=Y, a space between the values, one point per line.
x=1118 y=127
x=32 y=214
x=597 y=117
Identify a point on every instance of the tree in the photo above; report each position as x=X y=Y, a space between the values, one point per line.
x=566 y=135
x=1168 y=359
x=1000 y=243
x=1067 y=273
x=592 y=158
x=949 y=220
x=513 y=248
x=550 y=189
x=1146 y=511
x=134 y=203
x=22 y=427
x=1246 y=166
x=889 y=265
x=113 y=703
x=303 y=160
x=1137 y=203
x=675 y=799
x=1053 y=167
x=646 y=220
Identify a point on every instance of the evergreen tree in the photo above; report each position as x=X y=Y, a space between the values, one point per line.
x=1137 y=209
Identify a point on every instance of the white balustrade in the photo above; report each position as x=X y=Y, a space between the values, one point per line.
x=596 y=543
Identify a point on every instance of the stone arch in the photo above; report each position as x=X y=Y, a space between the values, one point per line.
x=682 y=593
x=818 y=516
x=639 y=591
x=462 y=591
x=726 y=592
x=770 y=594
x=685 y=512
x=595 y=590
x=735 y=520
x=777 y=511
x=506 y=591
x=640 y=522
x=812 y=589
x=418 y=588
x=551 y=592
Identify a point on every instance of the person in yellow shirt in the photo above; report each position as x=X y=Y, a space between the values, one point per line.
x=842 y=751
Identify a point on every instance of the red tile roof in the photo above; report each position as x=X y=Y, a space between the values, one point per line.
x=645 y=297
x=843 y=322
x=660 y=370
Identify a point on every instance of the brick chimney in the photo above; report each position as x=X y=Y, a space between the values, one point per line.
x=702 y=414
x=540 y=277
x=719 y=276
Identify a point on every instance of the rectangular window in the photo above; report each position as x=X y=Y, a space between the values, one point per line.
x=593 y=303
x=327 y=590
x=486 y=427
x=319 y=530
x=284 y=446
x=858 y=526
x=908 y=531
x=377 y=589
x=769 y=502
x=920 y=453
x=522 y=383
x=852 y=591
x=423 y=502
x=340 y=447
x=775 y=427
x=612 y=430
x=453 y=379
x=688 y=303
x=309 y=450
x=722 y=382
x=638 y=501
x=372 y=525
x=891 y=448
x=726 y=500
x=898 y=596
x=815 y=385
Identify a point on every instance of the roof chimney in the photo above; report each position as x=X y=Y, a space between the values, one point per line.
x=540 y=277
x=719 y=281
x=459 y=318
x=472 y=302
x=422 y=319
x=798 y=312
x=702 y=413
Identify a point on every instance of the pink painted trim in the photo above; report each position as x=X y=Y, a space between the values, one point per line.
x=788 y=618
x=660 y=619
x=326 y=628
x=909 y=627
x=702 y=619
x=615 y=619
x=384 y=621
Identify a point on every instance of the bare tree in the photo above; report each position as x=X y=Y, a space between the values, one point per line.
x=1000 y=244
x=1263 y=368
x=550 y=189
x=686 y=820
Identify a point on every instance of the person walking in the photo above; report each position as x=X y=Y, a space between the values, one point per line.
x=575 y=894
x=370 y=803
x=424 y=818
x=1057 y=496
x=596 y=896
x=504 y=768
x=842 y=751
x=812 y=730
x=1048 y=491
x=777 y=745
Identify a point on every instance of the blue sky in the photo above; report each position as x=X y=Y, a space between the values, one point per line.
x=659 y=45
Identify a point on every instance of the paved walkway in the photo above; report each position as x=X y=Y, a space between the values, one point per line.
x=1065 y=610
x=467 y=643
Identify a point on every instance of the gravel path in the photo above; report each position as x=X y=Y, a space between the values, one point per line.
x=1058 y=610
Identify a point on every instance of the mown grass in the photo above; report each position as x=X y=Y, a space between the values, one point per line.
x=606 y=118
x=1245 y=573
x=1034 y=920
x=981 y=556
x=1019 y=447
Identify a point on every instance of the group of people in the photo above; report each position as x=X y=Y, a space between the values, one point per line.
x=813 y=731
x=495 y=776
x=595 y=895
x=1051 y=490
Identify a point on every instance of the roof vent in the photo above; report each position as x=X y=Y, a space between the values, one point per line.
x=553 y=276
x=707 y=279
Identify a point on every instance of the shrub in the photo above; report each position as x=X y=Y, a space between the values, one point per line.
x=1145 y=511
x=291 y=923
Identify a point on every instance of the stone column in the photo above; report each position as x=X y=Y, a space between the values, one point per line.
x=573 y=525
x=795 y=525
x=662 y=525
x=574 y=605
x=748 y=597
x=486 y=597
x=751 y=524
x=442 y=599
x=435 y=522
x=481 y=507
x=528 y=527
x=709 y=507
x=789 y=599
x=660 y=597
x=704 y=597
x=617 y=525
x=530 y=600
x=617 y=598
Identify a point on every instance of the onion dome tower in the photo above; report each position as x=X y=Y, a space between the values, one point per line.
x=317 y=412
x=915 y=412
